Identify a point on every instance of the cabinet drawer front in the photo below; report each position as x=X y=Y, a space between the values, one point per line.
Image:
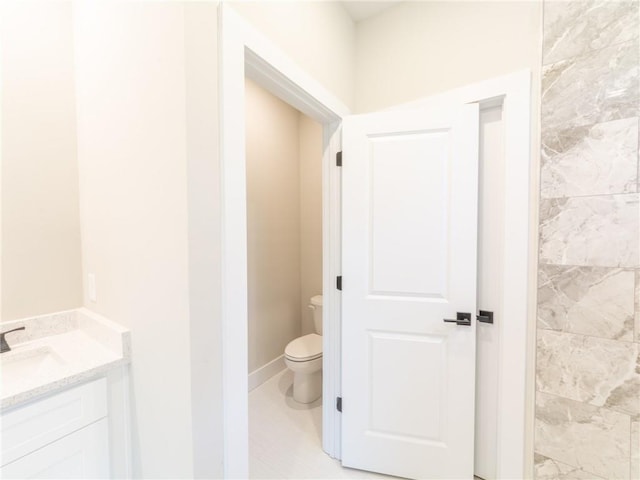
x=29 y=427
x=83 y=454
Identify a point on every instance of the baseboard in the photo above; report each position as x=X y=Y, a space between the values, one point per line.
x=264 y=373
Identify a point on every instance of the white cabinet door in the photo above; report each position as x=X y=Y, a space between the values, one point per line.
x=410 y=195
x=29 y=427
x=83 y=454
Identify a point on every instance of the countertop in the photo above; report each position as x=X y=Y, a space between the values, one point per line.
x=59 y=350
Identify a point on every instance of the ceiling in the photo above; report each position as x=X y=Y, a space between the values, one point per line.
x=359 y=10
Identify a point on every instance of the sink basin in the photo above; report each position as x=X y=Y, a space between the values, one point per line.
x=22 y=368
x=60 y=350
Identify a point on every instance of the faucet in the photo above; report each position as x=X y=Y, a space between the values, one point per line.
x=4 y=346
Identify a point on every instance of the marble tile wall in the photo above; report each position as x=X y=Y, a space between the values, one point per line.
x=588 y=328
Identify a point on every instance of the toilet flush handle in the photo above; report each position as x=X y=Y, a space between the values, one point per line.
x=311 y=307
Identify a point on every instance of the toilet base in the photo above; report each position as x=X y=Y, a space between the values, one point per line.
x=307 y=387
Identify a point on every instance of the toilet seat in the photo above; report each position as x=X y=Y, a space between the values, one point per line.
x=305 y=348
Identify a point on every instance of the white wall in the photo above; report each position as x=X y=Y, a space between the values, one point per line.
x=204 y=236
x=273 y=225
x=130 y=78
x=416 y=49
x=41 y=270
x=318 y=35
x=310 y=156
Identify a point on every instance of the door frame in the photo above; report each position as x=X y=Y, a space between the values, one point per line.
x=243 y=50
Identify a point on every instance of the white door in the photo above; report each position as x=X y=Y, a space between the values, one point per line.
x=410 y=195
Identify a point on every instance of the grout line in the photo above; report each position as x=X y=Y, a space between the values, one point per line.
x=609 y=409
x=590 y=195
x=586 y=335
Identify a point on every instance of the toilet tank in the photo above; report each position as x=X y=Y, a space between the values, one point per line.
x=316 y=306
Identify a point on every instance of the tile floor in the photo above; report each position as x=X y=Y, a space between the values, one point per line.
x=285 y=437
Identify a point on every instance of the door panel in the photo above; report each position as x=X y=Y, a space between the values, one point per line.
x=402 y=188
x=412 y=417
x=409 y=261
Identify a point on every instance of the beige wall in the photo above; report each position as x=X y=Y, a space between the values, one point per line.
x=40 y=219
x=416 y=49
x=310 y=156
x=284 y=216
x=273 y=225
x=132 y=151
x=318 y=35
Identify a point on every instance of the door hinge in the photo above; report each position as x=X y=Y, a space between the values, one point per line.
x=339 y=159
x=339 y=404
x=339 y=283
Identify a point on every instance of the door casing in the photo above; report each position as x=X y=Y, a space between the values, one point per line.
x=244 y=51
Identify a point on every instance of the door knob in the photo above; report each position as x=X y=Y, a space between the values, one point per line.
x=461 y=319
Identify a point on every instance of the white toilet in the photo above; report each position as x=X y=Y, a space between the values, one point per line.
x=303 y=356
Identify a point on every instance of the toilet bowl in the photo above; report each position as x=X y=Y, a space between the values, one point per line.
x=303 y=356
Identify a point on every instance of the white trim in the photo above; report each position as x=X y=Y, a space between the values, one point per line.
x=517 y=373
x=331 y=300
x=234 y=259
x=296 y=88
x=119 y=418
x=242 y=49
x=265 y=372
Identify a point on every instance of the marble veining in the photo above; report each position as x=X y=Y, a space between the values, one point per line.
x=590 y=159
x=588 y=327
x=635 y=449
x=592 y=301
x=549 y=469
x=637 y=316
x=594 y=439
x=574 y=28
x=595 y=231
x=588 y=369
x=593 y=88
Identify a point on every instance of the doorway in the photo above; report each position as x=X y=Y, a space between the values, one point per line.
x=245 y=53
x=284 y=274
x=243 y=50
x=284 y=228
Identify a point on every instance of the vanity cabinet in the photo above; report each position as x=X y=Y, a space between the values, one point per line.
x=64 y=435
